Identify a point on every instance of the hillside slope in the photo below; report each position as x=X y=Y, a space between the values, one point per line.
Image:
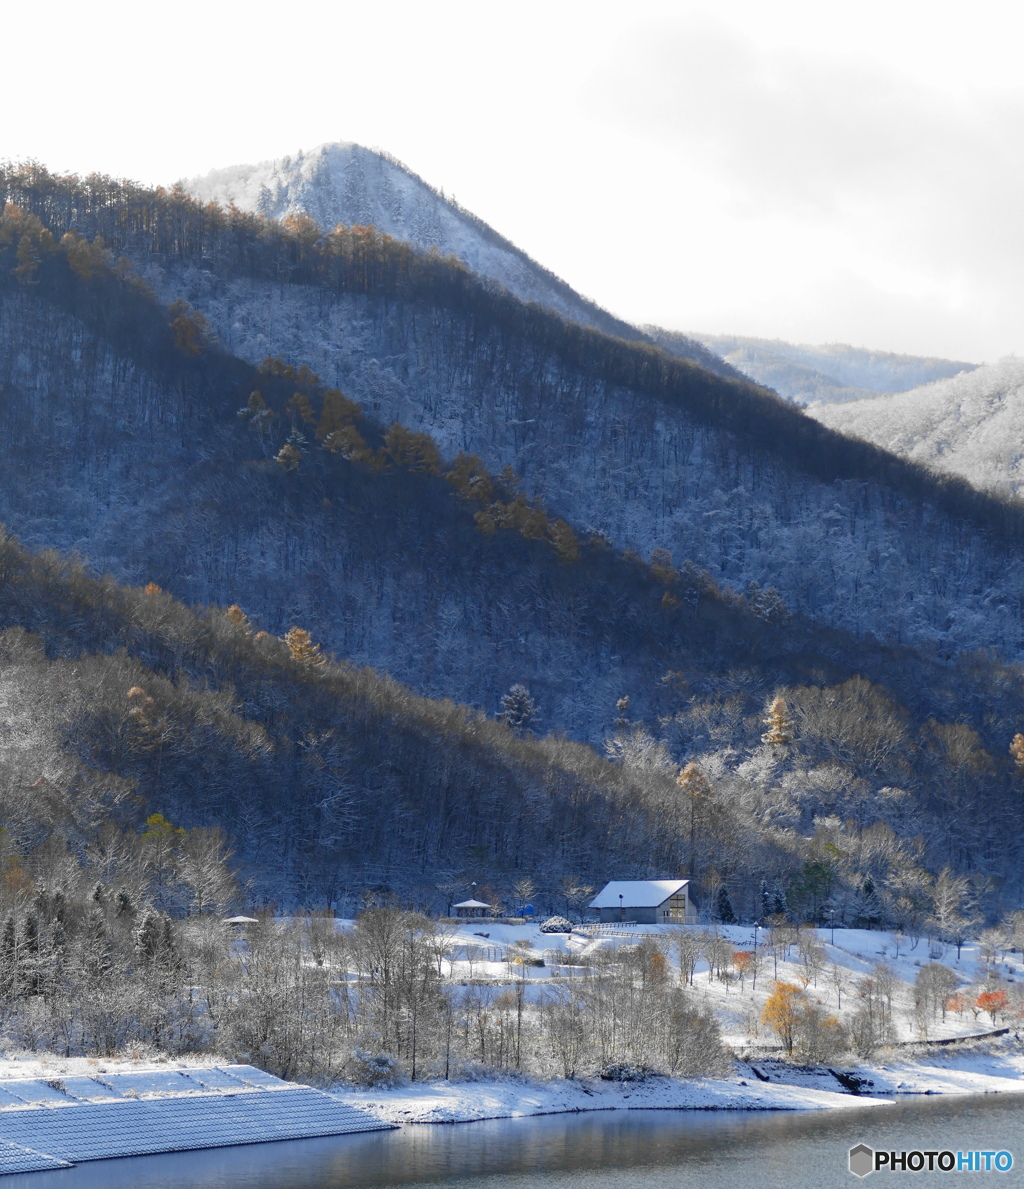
x=122 y=437
x=708 y=473
x=971 y=426
x=617 y=438
x=830 y=374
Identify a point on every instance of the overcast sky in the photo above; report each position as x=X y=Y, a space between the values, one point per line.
x=810 y=172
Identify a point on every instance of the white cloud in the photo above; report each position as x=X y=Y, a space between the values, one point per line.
x=859 y=186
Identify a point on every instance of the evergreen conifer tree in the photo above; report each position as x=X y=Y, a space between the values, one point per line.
x=724 y=908
x=518 y=709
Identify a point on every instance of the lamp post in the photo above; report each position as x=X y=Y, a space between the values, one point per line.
x=757 y=925
x=832 y=923
x=622 y=914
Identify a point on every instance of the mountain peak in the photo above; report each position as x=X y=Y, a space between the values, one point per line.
x=351 y=184
x=348 y=183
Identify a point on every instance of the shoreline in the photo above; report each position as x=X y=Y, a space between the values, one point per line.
x=766 y=1083
x=758 y=1085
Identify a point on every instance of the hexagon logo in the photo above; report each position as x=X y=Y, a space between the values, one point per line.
x=862 y=1160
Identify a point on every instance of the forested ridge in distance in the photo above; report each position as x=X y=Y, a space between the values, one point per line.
x=880 y=765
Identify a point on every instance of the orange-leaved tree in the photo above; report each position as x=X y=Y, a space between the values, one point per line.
x=994 y=1002
x=782 y=1011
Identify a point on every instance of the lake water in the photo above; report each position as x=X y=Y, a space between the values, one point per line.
x=598 y=1150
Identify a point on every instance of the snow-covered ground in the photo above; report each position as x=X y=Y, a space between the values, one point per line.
x=995 y=1067
x=484 y=953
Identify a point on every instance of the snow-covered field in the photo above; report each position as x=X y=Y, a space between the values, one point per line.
x=762 y=1081
x=738 y=1005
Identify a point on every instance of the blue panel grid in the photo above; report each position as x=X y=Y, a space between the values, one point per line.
x=136 y=1127
x=155 y=1081
x=257 y=1077
x=81 y=1087
x=34 y=1090
x=215 y=1079
x=15 y=1159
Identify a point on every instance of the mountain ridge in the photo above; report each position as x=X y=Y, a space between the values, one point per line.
x=970 y=426
x=826 y=373
x=617 y=438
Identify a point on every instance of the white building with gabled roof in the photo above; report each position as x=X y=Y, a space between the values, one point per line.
x=646 y=902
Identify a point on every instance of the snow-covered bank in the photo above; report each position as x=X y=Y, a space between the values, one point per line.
x=466 y=1102
x=990 y=1069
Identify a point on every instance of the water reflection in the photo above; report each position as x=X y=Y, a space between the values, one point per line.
x=601 y=1150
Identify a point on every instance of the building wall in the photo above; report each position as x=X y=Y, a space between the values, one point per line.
x=641 y=916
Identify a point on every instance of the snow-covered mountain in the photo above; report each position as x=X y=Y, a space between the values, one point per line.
x=831 y=373
x=346 y=183
x=350 y=184
x=971 y=425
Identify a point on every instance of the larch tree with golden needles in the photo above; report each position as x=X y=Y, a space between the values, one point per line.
x=85 y=259
x=694 y=785
x=235 y=615
x=336 y=413
x=1017 y=751
x=470 y=478
x=300 y=406
x=192 y=332
x=301 y=646
x=564 y=541
x=779 y=723
x=411 y=451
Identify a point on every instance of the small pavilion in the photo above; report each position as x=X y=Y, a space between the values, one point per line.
x=472 y=908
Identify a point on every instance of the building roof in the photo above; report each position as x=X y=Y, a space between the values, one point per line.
x=637 y=893
x=472 y=904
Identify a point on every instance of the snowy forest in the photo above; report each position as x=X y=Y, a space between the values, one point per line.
x=401 y=585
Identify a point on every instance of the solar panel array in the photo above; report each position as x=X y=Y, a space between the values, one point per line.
x=15 y=1159
x=136 y=1114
